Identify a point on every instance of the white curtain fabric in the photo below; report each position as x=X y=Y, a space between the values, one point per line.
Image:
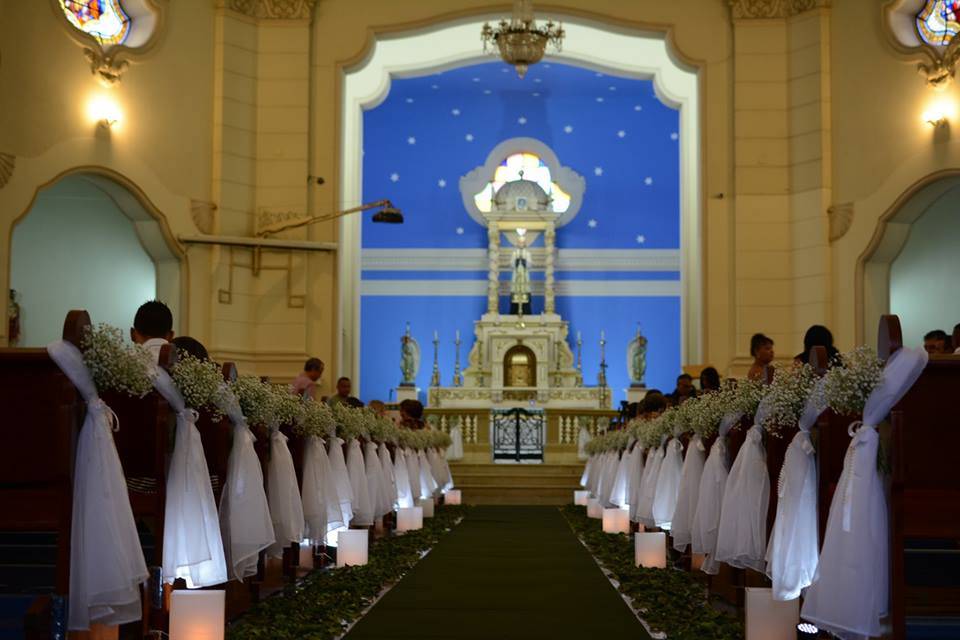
x=582 y=439
x=244 y=514
x=283 y=495
x=362 y=507
x=683 y=516
x=413 y=471
x=850 y=592
x=587 y=469
x=448 y=484
x=713 y=482
x=341 y=479
x=192 y=544
x=648 y=486
x=428 y=486
x=618 y=492
x=636 y=477
x=389 y=477
x=405 y=497
x=793 y=549
x=106 y=560
x=371 y=462
x=321 y=503
x=668 y=484
x=455 y=450
x=742 y=537
x=609 y=476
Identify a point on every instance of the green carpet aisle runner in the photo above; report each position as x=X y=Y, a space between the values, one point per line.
x=505 y=572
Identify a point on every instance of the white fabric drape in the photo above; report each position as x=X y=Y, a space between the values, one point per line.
x=713 y=482
x=742 y=537
x=405 y=497
x=455 y=450
x=413 y=470
x=244 y=515
x=389 y=478
x=192 y=545
x=618 y=492
x=371 y=462
x=587 y=470
x=636 y=476
x=448 y=484
x=321 y=503
x=283 y=495
x=583 y=437
x=850 y=592
x=609 y=476
x=683 y=516
x=362 y=507
x=793 y=550
x=648 y=486
x=106 y=560
x=341 y=479
x=428 y=486
x=668 y=484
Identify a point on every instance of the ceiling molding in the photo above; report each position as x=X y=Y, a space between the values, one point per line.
x=271 y=9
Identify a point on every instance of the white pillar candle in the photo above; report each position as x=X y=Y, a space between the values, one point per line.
x=770 y=619
x=580 y=498
x=594 y=508
x=427 y=505
x=616 y=520
x=409 y=519
x=650 y=550
x=352 y=547
x=197 y=615
x=452 y=497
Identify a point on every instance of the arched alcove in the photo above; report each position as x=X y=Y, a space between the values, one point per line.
x=520 y=367
x=910 y=267
x=88 y=241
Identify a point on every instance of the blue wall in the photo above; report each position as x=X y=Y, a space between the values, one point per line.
x=613 y=131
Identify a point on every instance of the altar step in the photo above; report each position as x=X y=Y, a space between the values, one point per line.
x=517 y=484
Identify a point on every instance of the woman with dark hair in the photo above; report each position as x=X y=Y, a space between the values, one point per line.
x=709 y=379
x=192 y=346
x=817 y=336
x=411 y=414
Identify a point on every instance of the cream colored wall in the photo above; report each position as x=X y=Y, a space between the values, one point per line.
x=801 y=112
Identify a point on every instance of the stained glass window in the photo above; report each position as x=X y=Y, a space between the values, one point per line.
x=105 y=20
x=533 y=169
x=937 y=22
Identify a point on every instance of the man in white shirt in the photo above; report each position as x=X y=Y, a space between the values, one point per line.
x=152 y=327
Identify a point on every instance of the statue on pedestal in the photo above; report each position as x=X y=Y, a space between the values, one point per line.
x=520 y=279
x=409 y=359
x=637 y=357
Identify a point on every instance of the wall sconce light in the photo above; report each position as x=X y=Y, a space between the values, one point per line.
x=938 y=114
x=105 y=112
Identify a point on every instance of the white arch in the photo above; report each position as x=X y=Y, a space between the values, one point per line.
x=452 y=44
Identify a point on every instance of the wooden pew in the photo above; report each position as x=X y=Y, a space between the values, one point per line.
x=43 y=413
x=925 y=487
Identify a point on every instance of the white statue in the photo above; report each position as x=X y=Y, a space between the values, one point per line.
x=520 y=279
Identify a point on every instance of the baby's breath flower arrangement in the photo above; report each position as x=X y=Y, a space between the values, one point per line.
x=652 y=431
x=415 y=439
x=706 y=412
x=786 y=397
x=317 y=420
x=746 y=397
x=382 y=429
x=847 y=386
x=438 y=439
x=286 y=408
x=351 y=423
x=200 y=382
x=255 y=399
x=115 y=365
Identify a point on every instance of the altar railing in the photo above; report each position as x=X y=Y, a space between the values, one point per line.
x=473 y=423
x=563 y=425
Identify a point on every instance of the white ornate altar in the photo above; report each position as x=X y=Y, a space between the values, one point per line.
x=521 y=360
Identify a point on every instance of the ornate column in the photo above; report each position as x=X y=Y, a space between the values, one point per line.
x=549 y=300
x=493 y=255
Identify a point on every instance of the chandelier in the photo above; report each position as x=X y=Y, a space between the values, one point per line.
x=520 y=42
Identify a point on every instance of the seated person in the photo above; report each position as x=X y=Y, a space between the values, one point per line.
x=761 y=348
x=378 y=407
x=344 y=386
x=411 y=414
x=684 y=390
x=652 y=405
x=305 y=384
x=152 y=327
x=935 y=342
x=709 y=380
x=192 y=346
x=817 y=336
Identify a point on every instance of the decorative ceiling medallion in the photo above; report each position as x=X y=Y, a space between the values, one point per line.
x=271 y=9
x=926 y=28
x=111 y=31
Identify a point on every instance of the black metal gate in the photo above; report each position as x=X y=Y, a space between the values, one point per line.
x=518 y=435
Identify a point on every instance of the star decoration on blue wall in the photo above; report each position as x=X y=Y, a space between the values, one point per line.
x=411 y=140
x=592 y=223
x=568 y=128
x=394 y=177
x=598 y=171
x=441 y=183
